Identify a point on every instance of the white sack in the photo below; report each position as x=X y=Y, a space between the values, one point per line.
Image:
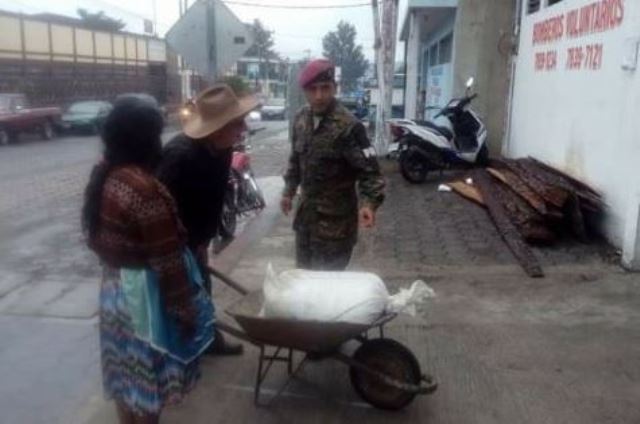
x=357 y=297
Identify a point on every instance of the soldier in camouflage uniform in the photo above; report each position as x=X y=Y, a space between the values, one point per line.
x=332 y=162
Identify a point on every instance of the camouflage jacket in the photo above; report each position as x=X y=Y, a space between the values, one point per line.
x=333 y=164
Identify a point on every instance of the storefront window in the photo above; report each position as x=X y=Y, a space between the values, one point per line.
x=533 y=6
x=446 y=48
x=425 y=65
x=433 y=55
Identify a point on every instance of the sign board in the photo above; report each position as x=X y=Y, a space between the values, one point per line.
x=209 y=37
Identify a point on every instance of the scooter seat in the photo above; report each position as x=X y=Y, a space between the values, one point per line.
x=446 y=132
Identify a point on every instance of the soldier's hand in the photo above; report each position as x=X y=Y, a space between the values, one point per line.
x=286 y=204
x=367 y=217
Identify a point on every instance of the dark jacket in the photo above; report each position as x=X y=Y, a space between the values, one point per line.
x=197 y=179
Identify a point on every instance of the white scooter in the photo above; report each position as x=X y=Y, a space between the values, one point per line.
x=423 y=146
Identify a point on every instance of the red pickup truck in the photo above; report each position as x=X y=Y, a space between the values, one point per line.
x=17 y=117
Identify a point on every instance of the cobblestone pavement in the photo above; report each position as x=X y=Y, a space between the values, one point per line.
x=441 y=229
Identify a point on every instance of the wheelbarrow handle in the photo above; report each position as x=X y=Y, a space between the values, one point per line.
x=228 y=281
x=233 y=331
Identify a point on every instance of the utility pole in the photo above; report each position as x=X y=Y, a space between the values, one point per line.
x=185 y=77
x=385 y=46
x=380 y=118
x=181 y=61
x=389 y=30
x=155 y=17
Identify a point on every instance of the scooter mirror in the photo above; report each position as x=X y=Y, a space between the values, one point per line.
x=470 y=82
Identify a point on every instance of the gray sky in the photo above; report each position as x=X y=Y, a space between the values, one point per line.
x=295 y=30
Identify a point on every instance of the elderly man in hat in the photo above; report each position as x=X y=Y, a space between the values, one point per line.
x=195 y=168
x=334 y=168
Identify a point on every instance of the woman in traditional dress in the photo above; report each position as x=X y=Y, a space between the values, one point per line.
x=155 y=317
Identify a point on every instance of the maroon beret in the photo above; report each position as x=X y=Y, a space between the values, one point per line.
x=315 y=71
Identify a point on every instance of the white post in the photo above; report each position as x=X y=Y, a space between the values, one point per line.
x=185 y=73
x=389 y=29
x=380 y=119
x=338 y=78
x=155 y=17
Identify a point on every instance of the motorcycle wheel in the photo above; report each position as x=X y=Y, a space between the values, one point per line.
x=413 y=168
x=228 y=218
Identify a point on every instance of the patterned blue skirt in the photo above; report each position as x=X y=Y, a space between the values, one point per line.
x=145 y=363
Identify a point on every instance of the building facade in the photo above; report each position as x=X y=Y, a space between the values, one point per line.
x=448 y=41
x=576 y=102
x=53 y=61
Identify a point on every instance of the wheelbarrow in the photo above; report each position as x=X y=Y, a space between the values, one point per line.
x=382 y=371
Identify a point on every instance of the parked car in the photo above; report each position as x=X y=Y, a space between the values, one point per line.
x=254 y=122
x=274 y=109
x=17 y=117
x=86 y=116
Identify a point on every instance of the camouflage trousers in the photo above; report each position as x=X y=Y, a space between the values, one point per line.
x=322 y=255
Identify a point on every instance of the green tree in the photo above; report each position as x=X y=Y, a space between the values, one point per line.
x=262 y=42
x=340 y=46
x=100 y=21
x=237 y=84
x=262 y=47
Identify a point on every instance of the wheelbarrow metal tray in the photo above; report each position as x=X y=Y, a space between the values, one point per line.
x=307 y=336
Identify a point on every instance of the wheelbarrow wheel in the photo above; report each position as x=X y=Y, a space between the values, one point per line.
x=392 y=359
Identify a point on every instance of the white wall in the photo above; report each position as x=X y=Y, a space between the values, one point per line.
x=584 y=121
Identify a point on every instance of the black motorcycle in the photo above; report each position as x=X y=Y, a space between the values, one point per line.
x=243 y=194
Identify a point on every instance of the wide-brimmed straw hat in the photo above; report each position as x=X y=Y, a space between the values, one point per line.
x=214 y=108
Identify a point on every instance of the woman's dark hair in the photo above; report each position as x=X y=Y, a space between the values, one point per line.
x=131 y=136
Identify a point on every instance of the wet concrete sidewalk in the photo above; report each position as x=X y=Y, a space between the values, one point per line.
x=505 y=348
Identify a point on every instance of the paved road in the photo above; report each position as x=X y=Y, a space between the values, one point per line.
x=48 y=279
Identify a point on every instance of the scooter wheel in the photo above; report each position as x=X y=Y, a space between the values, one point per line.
x=413 y=167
